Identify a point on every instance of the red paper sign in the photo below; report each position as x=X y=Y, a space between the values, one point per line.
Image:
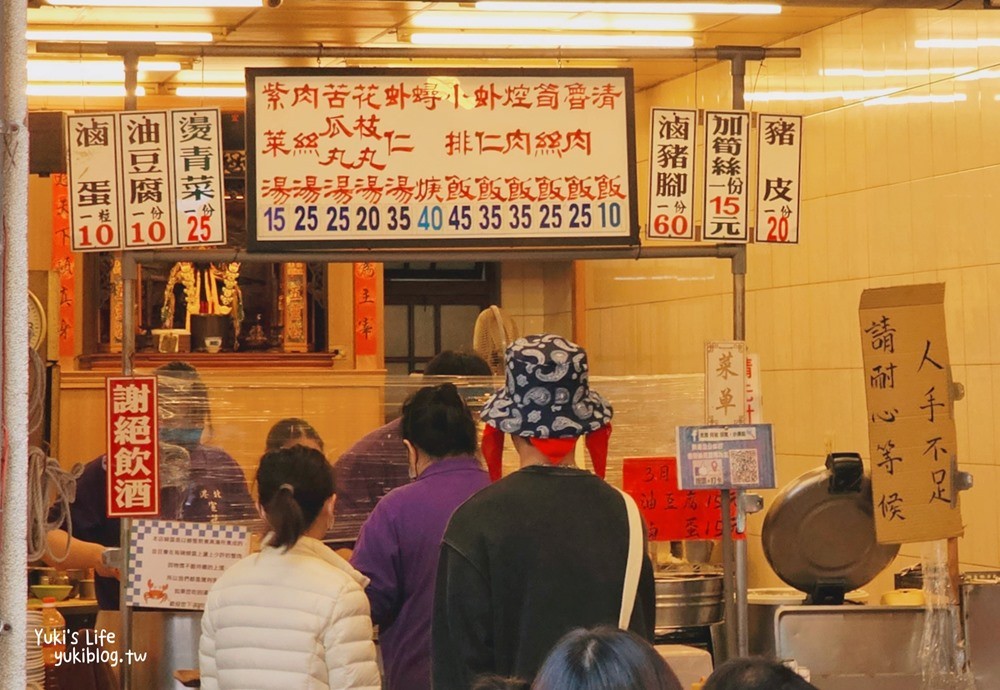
x=63 y=262
x=133 y=486
x=672 y=514
x=366 y=330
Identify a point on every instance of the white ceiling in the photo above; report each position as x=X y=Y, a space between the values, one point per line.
x=370 y=24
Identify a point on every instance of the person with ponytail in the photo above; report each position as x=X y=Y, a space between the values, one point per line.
x=543 y=550
x=399 y=542
x=295 y=614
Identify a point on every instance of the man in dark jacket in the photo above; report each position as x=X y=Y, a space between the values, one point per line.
x=543 y=550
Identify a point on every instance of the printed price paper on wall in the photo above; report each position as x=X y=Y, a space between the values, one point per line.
x=447 y=157
x=911 y=427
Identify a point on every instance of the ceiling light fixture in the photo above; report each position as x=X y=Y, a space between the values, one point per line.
x=211 y=91
x=957 y=43
x=550 y=21
x=873 y=73
x=925 y=98
x=630 y=7
x=92 y=70
x=172 y=4
x=551 y=40
x=80 y=90
x=765 y=96
x=70 y=36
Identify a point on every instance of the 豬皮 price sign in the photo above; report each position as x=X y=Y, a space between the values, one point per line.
x=440 y=158
x=779 y=177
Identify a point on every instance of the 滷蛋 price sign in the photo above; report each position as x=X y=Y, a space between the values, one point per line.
x=351 y=158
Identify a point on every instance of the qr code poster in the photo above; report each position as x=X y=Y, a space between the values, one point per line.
x=725 y=457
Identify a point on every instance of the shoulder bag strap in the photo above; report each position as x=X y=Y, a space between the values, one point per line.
x=633 y=566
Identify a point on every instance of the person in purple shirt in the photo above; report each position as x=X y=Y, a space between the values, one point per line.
x=198 y=483
x=399 y=543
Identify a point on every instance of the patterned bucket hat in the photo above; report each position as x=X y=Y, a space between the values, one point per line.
x=546 y=393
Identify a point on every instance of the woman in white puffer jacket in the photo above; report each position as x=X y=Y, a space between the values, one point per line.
x=295 y=615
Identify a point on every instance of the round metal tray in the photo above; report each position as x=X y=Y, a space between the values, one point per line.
x=813 y=536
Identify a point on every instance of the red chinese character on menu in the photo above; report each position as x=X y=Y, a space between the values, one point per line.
x=335 y=126
x=549 y=189
x=458 y=188
x=396 y=96
x=274 y=142
x=276 y=189
x=367 y=127
x=578 y=188
x=428 y=189
x=369 y=189
x=401 y=190
x=576 y=96
x=308 y=95
x=519 y=189
x=310 y=189
x=335 y=95
x=517 y=96
x=489 y=189
x=428 y=95
x=605 y=96
x=577 y=140
x=547 y=96
x=273 y=93
x=609 y=187
x=487 y=96
x=365 y=95
x=340 y=191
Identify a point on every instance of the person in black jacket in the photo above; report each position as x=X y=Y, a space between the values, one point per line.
x=543 y=550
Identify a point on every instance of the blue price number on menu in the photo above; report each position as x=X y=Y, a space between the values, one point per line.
x=369 y=218
x=520 y=216
x=489 y=217
x=306 y=218
x=551 y=217
x=398 y=218
x=611 y=213
x=275 y=218
x=431 y=218
x=460 y=218
x=338 y=218
x=580 y=216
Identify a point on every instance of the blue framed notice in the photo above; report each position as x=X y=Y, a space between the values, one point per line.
x=725 y=457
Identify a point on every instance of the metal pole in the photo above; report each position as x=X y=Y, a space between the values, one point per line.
x=14 y=359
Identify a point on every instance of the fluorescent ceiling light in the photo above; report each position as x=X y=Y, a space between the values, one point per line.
x=211 y=91
x=867 y=73
x=91 y=70
x=926 y=98
x=156 y=3
x=117 y=36
x=764 y=96
x=552 y=40
x=979 y=74
x=212 y=76
x=630 y=7
x=550 y=21
x=96 y=90
x=957 y=43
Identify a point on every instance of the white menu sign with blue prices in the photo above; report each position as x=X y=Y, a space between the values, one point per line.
x=347 y=158
x=779 y=178
x=174 y=564
x=727 y=143
x=671 y=174
x=725 y=457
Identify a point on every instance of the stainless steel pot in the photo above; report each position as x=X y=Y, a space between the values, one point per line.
x=688 y=600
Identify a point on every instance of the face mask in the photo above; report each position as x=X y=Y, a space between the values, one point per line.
x=181 y=437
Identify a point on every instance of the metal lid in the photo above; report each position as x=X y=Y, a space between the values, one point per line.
x=813 y=535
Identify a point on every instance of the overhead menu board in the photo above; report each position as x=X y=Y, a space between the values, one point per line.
x=347 y=158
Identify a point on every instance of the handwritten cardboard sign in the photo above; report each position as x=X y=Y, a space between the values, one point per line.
x=911 y=426
x=672 y=514
x=174 y=564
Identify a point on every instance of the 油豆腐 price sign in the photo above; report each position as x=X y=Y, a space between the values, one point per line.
x=455 y=157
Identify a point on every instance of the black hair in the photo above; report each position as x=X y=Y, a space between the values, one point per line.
x=455 y=363
x=180 y=385
x=756 y=673
x=604 y=657
x=490 y=681
x=437 y=421
x=293 y=484
x=289 y=429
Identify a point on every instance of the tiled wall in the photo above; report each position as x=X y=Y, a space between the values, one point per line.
x=893 y=193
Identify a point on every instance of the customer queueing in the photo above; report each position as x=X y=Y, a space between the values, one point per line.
x=399 y=543
x=543 y=550
x=294 y=615
x=292 y=431
x=755 y=673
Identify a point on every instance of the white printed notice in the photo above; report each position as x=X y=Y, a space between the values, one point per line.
x=727 y=139
x=671 y=174
x=779 y=178
x=94 y=183
x=342 y=158
x=174 y=564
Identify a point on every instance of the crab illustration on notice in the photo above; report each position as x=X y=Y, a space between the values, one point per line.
x=154 y=593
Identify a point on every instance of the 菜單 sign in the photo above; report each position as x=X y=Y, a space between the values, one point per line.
x=911 y=426
x=671 y=177
x=671 y=514
x=725 y=382
x=133 y=478
x=174 y=564
x=145 y=179
x=779 y=178
x=725 y=457
x=346 y=158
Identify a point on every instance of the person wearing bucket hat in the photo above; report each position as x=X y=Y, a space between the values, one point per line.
x=543 y=550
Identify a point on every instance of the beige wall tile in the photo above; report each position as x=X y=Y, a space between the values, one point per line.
x=981 y=543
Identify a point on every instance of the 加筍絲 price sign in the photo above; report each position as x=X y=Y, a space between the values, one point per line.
x=779 y=177
x=727 y=139
x=460 y=157
x=671 y=175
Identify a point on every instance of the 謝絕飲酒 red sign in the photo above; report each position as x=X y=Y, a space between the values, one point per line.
x=132 y=459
